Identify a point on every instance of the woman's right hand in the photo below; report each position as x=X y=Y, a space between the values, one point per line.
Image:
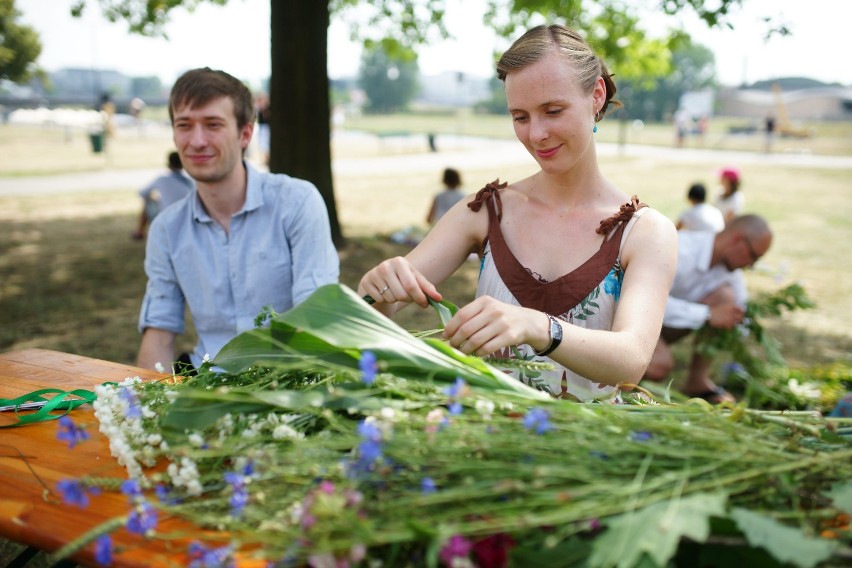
x=396 y=280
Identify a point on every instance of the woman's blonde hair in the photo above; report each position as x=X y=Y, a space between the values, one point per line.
x=541 y=40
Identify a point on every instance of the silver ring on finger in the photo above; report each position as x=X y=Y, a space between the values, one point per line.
x=383 y=290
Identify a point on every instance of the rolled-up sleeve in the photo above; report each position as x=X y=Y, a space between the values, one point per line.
x=683 y=314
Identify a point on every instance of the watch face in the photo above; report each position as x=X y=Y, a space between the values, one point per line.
x=555 y=329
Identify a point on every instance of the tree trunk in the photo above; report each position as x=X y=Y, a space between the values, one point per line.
x=300 y=126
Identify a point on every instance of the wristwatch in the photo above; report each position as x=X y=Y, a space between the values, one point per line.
x=555 y=337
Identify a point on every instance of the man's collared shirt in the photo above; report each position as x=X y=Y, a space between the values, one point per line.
x=695 y=279
x=277 y=252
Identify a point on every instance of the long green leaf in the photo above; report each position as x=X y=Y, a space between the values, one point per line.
x=334 y=320
x=446 y=310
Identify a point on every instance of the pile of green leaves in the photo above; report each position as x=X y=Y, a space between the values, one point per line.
x=468 y=455
x=758 y=372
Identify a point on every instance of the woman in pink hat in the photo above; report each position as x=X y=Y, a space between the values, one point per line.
x=730 y=202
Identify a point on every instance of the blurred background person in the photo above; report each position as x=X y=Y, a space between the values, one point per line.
x=730 y=200
x=444 y=200
x=162 y=192
x=701 y=216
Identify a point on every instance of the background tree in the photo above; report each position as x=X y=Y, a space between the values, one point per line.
x=299 y=54
x=20 y=45
x=389 y=81
x=693 y=69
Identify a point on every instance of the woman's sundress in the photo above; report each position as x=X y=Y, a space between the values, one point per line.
x=586 y=297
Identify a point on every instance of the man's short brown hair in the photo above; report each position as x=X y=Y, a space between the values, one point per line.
x=198 y=87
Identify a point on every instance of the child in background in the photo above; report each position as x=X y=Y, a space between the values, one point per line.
x=444 y=201
x=730 y=202
x=701 y=216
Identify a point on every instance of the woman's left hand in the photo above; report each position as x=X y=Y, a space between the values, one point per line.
x=487 y=325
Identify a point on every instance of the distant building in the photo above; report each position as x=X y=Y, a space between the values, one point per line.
x=818 y=103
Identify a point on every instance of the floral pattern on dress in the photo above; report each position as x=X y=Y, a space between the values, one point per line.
x=610 y=286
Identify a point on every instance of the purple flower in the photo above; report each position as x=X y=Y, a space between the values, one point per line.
x=164 y=494
x=640 y=436
x=733 y=369
x=368 y=366
x=427 y=485
x=240 y=496
x=204 y=557
x=73 y=492
x=142 y=519
x=131 y=488
x=539 y=419
x=457 y=389
x=103 y=550
x=370 y=448
x=129 y=396
x=456 y=547
x=455 y=408
x=70 y=432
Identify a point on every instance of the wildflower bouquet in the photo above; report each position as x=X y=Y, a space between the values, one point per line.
x=334 y=438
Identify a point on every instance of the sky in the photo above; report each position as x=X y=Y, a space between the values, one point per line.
x=235 y=38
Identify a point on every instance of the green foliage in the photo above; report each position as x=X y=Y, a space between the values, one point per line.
x=338 y=464
x=785 y=543
x=20 y=45
x=693 y=68
x=142 y=17
x=762 y=376
x=656 y=531
x=389 y=76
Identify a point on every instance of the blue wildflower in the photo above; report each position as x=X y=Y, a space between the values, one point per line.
x=370 y=448
x=456 y=389
x=132 y=400
x=539 y=419
x=733 y=369
x=165 y=495
x=103 y=550
x=142 y=519
x=456 y=408
x=640 y=436
x=427 y=485
x=70 y=432
x=131 y=488
x=73 y=492
x=204 y=557
x=240 y=496
x=368 y=365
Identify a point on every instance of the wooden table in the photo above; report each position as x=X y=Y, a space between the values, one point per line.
x=28 y=514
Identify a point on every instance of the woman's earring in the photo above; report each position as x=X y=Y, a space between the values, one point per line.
x=595 y=129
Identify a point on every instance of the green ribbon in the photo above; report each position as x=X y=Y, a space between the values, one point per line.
x=60 y=401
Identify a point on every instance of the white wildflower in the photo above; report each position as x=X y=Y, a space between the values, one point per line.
x=804 y=390
x=196 y=439
x=283 y=431
x=485 y=408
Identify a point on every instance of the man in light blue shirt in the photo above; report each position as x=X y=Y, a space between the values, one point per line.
x=241 y=241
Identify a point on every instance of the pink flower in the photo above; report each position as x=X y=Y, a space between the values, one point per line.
x=456 y=547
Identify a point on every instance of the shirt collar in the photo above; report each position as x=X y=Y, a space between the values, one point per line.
x=254 y=196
